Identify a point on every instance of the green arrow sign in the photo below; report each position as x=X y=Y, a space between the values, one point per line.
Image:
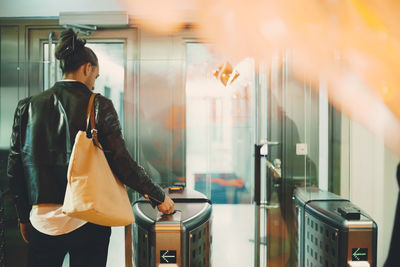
x=359 y=254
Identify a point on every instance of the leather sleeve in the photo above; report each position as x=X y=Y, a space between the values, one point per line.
x=15 y=168
x=121 y=162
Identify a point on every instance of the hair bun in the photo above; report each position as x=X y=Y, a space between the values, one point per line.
x=69 y=44
x=79 y=43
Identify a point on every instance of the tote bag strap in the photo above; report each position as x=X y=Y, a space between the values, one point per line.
x=90 y=117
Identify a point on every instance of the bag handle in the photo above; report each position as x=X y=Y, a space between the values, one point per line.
x=90 y=117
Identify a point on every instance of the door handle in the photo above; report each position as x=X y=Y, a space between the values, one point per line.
x=264 y=146
x=267 y=142
x=269 y=206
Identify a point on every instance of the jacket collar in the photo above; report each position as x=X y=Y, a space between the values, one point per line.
x=72 y=84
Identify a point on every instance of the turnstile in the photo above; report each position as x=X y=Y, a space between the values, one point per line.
x=182 y=239
x=333 y=232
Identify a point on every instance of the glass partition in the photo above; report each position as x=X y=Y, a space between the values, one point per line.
x=221 y=129
x=111 y=81
x=161 y=120
x=220 y=117
x=289 y=128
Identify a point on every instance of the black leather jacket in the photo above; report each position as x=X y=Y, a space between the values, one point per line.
x=39 y=156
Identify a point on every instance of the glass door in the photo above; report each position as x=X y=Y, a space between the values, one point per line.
x=288 y=133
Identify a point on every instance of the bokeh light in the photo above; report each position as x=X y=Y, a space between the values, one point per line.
x=353 y=45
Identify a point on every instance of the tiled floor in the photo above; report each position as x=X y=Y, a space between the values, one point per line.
x=232 y=229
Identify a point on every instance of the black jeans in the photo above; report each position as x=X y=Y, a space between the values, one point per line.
x=87 y=247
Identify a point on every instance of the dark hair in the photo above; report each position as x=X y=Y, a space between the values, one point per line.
x=72 y=52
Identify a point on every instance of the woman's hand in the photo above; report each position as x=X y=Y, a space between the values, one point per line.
x=167 y=207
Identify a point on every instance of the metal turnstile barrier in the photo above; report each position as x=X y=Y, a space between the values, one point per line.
x=182 y=239
x=333 y=232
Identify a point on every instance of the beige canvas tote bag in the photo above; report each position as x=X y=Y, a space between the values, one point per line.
x=93 y=193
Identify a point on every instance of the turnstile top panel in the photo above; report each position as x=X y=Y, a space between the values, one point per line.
x=329 y=211
x=187 y=210
x=308 y=194
x=325 y=205
x=193 y=208
x=186 y=194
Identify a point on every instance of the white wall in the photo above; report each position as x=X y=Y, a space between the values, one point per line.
x=372 y=182
x=46 y=8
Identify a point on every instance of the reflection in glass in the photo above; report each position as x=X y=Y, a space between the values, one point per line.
x=161 y=120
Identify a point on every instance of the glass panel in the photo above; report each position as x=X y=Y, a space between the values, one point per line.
x=291 y=126
x=8 y=100
x=220 y=119
x=300 y=147
x=9 y=95
x=220 y=126
x=335 y=143
x=51 y=66
x=161 y=120
x=111 y=81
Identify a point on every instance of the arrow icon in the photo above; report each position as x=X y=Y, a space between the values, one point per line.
x=357 y=254
x=166 y=257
